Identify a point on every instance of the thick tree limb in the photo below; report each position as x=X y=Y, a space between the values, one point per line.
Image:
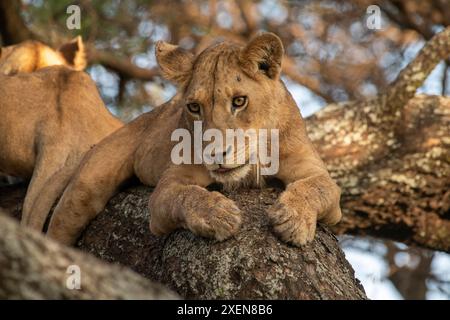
x=395 y=180
x=391 y=159
x=254 y=264
x=32 y=267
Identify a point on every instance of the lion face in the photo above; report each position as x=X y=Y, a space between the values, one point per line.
x=234 y=92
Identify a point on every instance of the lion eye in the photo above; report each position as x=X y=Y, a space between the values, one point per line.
x=239 y=102
x=193 y=107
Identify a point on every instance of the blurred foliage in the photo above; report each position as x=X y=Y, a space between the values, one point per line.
x=329 y=48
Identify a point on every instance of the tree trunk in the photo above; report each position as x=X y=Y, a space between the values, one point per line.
x=32 y=267
x=12 y=27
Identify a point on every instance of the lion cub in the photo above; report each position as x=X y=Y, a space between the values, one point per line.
x=31 y=55
x=50 y=117
x=227 y=86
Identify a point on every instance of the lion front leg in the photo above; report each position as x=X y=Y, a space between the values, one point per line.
x=181 y=201
x=311 y=195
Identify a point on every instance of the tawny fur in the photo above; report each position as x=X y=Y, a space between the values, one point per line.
x=49 y=119
x=180 y=199
x=33 y=55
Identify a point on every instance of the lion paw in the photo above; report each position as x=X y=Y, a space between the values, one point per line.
x=291 y=224
x=213 y=215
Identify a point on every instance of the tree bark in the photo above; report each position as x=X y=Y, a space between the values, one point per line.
x=391 y=157
x=32 y=267
x=252 y=265
x=403 y=192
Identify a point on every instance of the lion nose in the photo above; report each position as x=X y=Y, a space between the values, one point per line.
x=222 y=153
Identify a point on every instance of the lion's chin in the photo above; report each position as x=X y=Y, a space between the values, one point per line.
x=231 y=176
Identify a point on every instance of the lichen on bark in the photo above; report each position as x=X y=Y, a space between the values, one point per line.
x=253 y=264
x=32 y=267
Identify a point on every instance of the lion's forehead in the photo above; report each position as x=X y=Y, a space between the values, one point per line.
x=215 y=61
x=217 y=72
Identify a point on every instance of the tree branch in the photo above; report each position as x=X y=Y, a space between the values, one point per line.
x=32 y=267
x=394 y=178
x=413 y=76
x=403 y=19
x=290 y=69
x=252 y=265
x=12 y=27
x=122 y=66
x=445 y=79
x=390 y=157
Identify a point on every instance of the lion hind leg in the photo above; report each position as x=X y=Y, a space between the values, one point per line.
x=102 y=171
x=52 y=189
x=48 y=164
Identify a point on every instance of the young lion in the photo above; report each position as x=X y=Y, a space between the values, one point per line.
x=226 y=87
x=32 y=55
x=49 y=119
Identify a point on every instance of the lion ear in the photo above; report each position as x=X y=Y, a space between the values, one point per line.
x=263 y=54
x=74 y=53
x=175 y=62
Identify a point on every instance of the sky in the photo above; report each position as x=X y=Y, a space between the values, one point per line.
x=366 y=257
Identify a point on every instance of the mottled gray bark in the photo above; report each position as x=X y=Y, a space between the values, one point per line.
x=395 y=180
x=391 y=157
x=32 y=267
x=254 y=264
